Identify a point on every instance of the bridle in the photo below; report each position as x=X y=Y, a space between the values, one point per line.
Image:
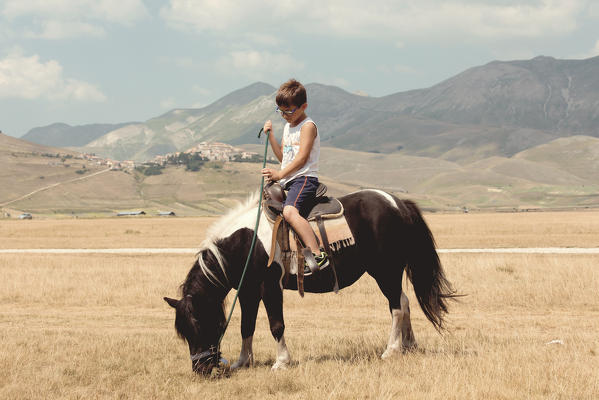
x=208 y=358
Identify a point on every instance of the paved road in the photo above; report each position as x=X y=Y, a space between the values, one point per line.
x=528 y=250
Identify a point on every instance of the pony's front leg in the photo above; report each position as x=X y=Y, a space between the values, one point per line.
x=273 y=301
x=246 y=356
x=249 y=300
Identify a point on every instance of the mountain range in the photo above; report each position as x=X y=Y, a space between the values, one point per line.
x=497 y=109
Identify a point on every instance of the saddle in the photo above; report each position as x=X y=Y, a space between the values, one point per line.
x=325 y=207
x=326 y=215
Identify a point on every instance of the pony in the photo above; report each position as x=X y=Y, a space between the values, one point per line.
x=390 y=236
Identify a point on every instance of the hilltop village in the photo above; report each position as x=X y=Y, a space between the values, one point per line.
x=208 y=151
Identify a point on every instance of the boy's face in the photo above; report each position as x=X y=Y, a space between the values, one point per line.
x=293 y=114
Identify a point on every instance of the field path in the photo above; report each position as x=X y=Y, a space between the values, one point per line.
x=513 y=250
x=54 y=185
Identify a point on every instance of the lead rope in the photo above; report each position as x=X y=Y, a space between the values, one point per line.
x=247 y=261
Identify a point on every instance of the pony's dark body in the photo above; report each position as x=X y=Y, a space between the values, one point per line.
x=371 y=238
x=389 y=234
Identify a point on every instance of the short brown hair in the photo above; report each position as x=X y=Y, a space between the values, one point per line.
x=291 y=93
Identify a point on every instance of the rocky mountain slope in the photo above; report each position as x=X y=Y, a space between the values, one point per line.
x=64 y=135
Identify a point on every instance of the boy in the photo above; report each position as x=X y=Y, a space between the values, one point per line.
x=298 y=153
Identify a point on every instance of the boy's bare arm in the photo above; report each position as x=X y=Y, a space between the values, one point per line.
x=276 y=147
x=307 y=136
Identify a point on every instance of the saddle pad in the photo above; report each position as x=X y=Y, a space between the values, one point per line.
x=338 y=232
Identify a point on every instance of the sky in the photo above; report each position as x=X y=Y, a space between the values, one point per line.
x=110 y=61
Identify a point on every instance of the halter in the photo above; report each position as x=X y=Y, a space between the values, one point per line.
x=208 y=357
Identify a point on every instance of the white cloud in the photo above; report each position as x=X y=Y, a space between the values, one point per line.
x=201 y=90
x=29 y=78
x=340 y=82
x=592 y=52
x=168 y=103
x=425 y=19
x=258 y=65
x=183 y=62
x=593 y=10
x=65 y=29
x=595 y=51
x=205 y=15
x=58 y=19
x=263 y=39
x=395 y=70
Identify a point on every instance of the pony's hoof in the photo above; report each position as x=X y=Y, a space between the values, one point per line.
x=222 y=370
x=238 y=364
x=409 y=347
x=389 y=353
x=280 y=366
x=243 y=363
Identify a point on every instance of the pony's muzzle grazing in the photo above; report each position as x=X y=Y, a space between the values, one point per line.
x=209 y=363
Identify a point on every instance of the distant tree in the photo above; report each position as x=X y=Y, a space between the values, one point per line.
x=192 y=161
x=149 y=169
x=254 y=158
x=194 y=165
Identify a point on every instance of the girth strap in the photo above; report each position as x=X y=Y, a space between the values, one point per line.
x=327 y=248
x=300 y=267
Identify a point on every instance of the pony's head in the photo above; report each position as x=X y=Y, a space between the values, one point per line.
x=200 y=314
x=200 y=322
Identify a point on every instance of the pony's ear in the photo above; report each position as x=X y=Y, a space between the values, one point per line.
x=171 y=302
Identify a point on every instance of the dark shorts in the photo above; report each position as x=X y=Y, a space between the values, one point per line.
x=301 y=194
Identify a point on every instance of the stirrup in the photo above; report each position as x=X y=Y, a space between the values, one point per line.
x=320 y=264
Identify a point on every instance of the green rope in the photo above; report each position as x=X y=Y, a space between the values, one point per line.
x=247 y=261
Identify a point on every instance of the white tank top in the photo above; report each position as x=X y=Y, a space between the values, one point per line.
x=291 y=145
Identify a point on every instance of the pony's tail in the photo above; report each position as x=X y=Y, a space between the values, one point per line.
x=425 y=271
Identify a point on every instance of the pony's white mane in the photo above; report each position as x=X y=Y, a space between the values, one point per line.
x=242 y=216
x=233 y=220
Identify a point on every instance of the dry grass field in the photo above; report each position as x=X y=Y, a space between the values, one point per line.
x=95 y=326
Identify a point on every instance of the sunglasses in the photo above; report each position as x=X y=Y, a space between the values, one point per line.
x=283 y=112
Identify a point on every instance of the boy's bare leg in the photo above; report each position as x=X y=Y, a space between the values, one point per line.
x=301 y=226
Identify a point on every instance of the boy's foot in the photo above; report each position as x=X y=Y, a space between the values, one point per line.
x=322 y=261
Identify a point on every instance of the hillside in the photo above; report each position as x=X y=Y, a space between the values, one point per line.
x=536 y=178
x=26 y=167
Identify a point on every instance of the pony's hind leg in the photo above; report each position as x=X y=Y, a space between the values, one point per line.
x=401 y=337
x=408 y=341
